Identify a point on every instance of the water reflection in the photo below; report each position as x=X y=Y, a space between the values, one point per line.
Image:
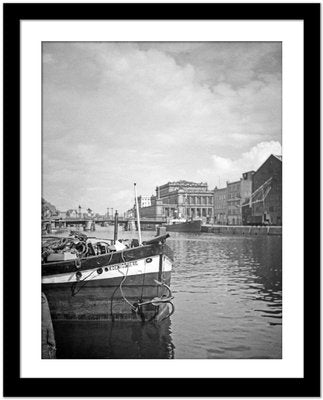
x=230 y=291
x=118 y=340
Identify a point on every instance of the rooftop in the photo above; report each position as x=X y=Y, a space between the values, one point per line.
x=186 y=183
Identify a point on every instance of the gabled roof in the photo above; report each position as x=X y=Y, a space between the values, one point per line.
x=233 y=183
x=271 y=155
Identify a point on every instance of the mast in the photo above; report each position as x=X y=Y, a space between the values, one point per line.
x=138 y=216
x=115 y=236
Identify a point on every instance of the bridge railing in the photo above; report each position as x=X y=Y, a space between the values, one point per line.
x=103 y=219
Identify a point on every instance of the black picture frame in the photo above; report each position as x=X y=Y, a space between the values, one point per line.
x=14 y=385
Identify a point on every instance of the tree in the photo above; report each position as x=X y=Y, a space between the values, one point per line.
x=48 y=209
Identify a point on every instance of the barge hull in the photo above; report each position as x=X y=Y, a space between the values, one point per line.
x=108 y=292
x=105 y=299
x=188 y=226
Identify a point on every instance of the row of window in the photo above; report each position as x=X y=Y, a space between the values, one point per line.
x=219 y=197
x=190 y=212
x=199 y=212
x=199 y=200
x=234 y=196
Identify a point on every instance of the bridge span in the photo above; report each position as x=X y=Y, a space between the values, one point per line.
x=89 y=223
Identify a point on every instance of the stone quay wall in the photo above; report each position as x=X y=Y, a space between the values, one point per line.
x=243 y=230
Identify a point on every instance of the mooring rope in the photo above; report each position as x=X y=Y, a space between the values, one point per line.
x=85 y=280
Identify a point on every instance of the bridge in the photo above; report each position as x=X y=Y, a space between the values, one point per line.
x=89 y=223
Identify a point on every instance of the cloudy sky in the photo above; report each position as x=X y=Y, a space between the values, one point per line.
x=150 y=113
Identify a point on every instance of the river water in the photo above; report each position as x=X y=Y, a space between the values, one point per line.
x=228 y=304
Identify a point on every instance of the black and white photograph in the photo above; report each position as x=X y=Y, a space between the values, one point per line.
x=159 y=162
x=162 y=200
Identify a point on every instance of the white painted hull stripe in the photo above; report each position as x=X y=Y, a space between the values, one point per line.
x=129 y=268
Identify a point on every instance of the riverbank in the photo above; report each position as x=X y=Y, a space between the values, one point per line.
x=243 y=230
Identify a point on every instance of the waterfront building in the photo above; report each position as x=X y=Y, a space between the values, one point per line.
x=71 y=213
x=154 y=211
x=220 y=206
x=62 y=214
x=233 y=203
x=144 y=201
x=181 y=199
x=266 y=199
x=185 y=199
x=237 y=193
x=130 y=213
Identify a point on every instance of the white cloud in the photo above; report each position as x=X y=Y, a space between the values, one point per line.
x=110 y=107
x=230 y=170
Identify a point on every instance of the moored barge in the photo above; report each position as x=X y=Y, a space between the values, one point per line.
x=177 y=225
x=97 y=279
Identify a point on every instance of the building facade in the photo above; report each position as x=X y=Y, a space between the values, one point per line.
x=220 y=206
x=233 y=203
x=144 y=201
x=257 y=196
x=62 y=214
x=266 y=199
x=181 y=199
x=154 y=211
x=131 y=213
x=237 y=193
x=72 y=213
